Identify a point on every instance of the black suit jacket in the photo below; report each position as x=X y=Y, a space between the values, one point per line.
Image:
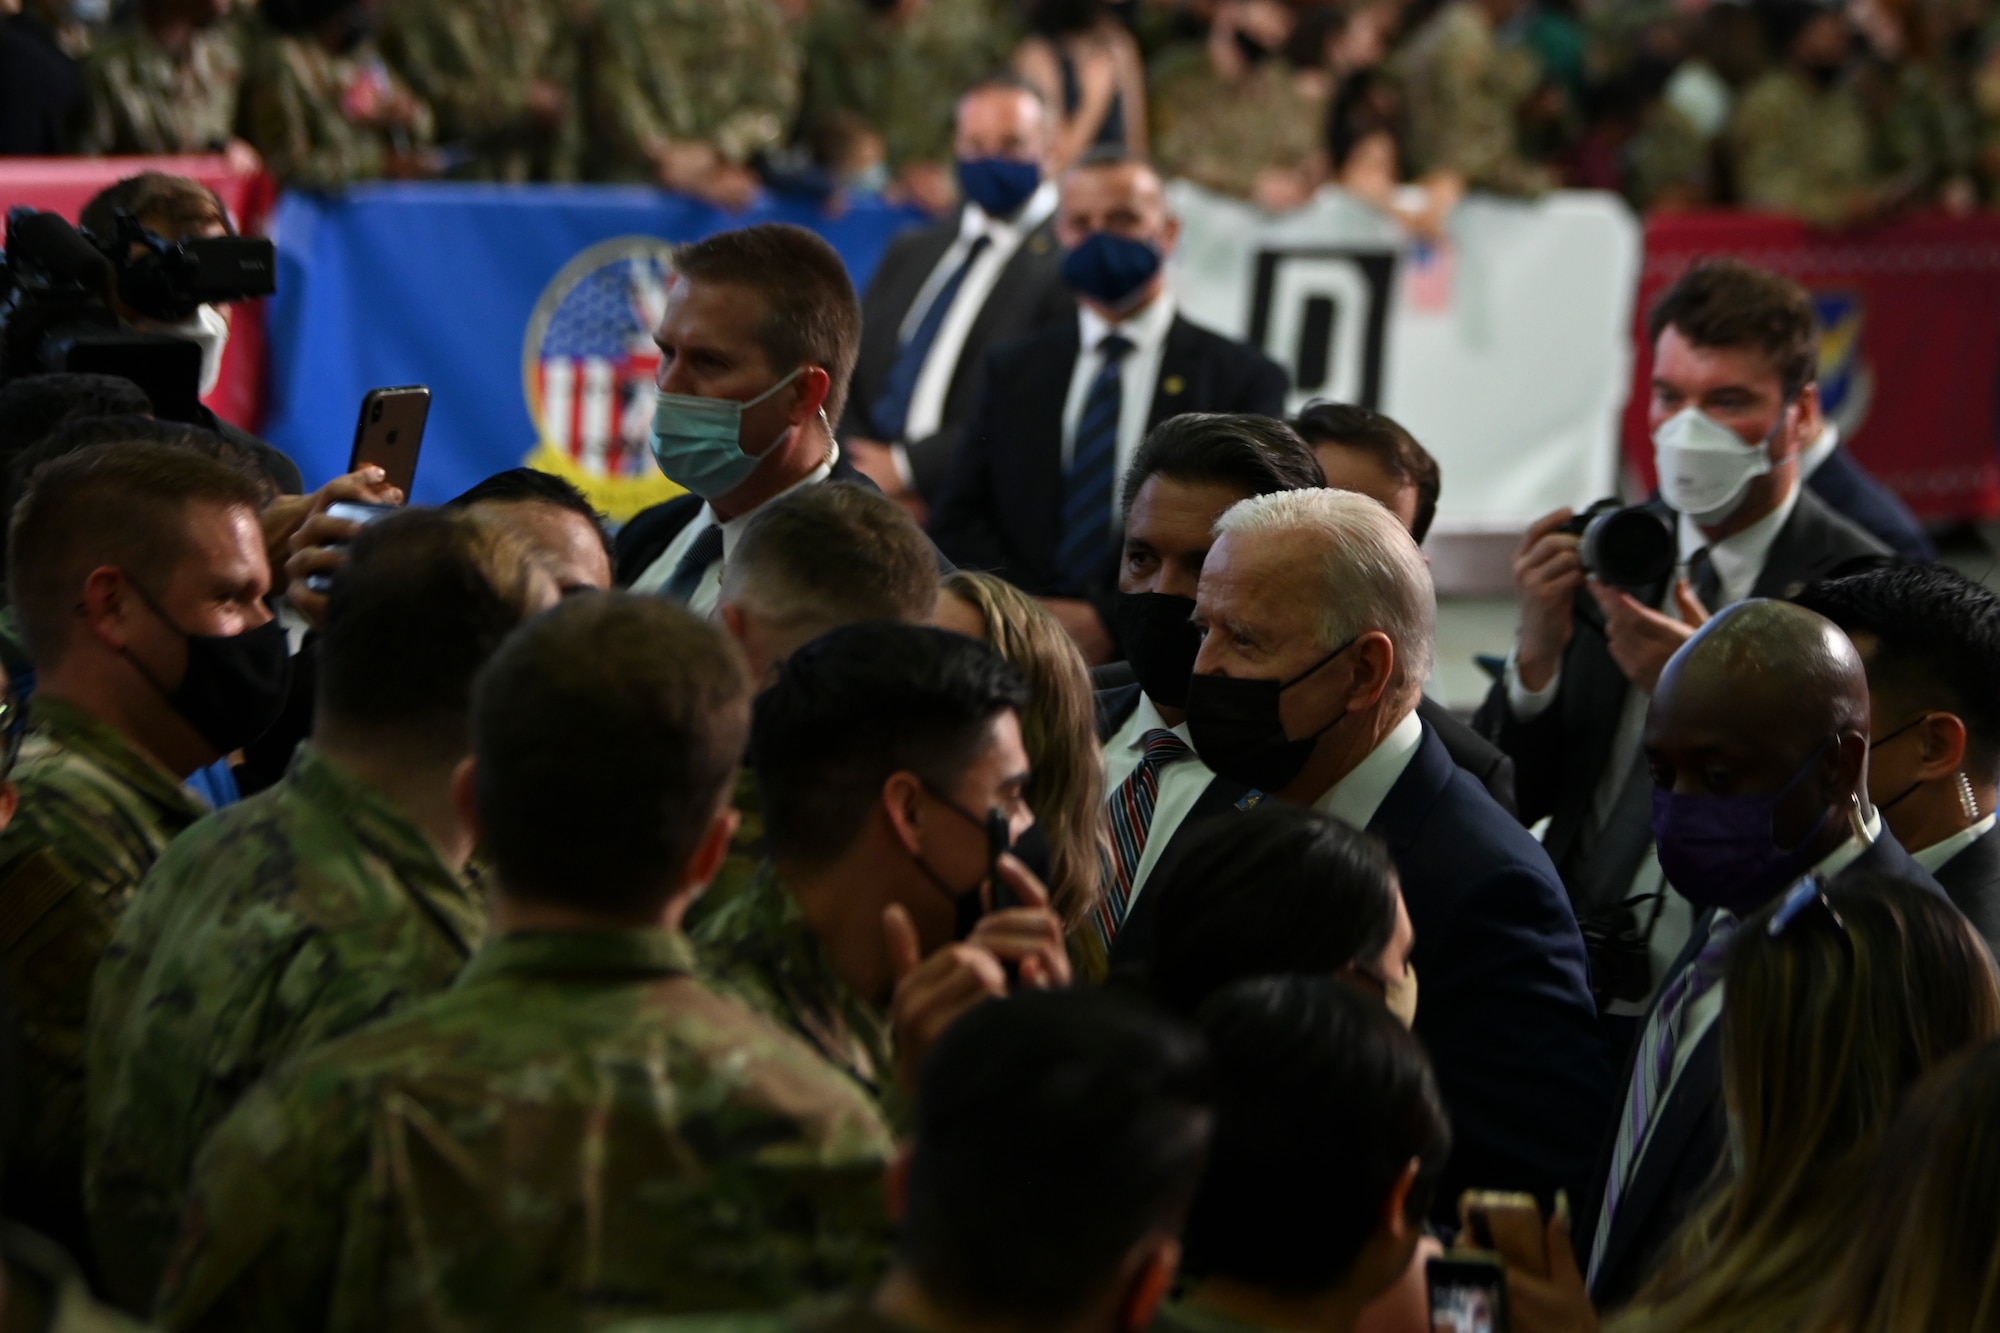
x=1972 y=880
x=1690 y=1132
x=648 y=533
x=1848 y=489
x=1029 y=295
x=1561 y=754
x=1001 y=510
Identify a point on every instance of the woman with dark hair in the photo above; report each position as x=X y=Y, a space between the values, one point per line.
x=1086 y=67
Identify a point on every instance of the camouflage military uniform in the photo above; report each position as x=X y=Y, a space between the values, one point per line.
x=94 y=816
x=1801 y=151
x=577 y=1131
x=746 y=856
x=1464 y=91
x=269 y=929
x=760 y=949
x=848 y=1315
x=901 y=79
x=46 y=1294
x=296 y=97
x=473 y=61
x=721 y=72
x=1927 y=132
x=1225 y=135
x=144 y=101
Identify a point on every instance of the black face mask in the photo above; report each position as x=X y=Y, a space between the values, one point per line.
x=1253 y=51
x=1238 y=729
x=965 y=902
x=1161 y=643
x=235 y=685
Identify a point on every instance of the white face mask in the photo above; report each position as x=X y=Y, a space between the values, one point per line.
x=208 y=329
x=1704 y=467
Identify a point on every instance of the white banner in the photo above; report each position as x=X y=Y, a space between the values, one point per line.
x=1506 y=351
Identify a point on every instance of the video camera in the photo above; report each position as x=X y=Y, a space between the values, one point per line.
x=56 y=314
x=1626 y=547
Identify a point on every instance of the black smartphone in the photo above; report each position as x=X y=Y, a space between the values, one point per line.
x=1468 y=1294
x=390 y=432
x=359 y=512
x=998 y=839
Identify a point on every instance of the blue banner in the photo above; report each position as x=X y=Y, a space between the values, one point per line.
x=528 y=311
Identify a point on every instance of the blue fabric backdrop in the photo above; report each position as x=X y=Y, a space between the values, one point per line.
x=436 y=285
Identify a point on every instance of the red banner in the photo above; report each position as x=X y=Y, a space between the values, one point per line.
x=1909 y=348
x=65 y=184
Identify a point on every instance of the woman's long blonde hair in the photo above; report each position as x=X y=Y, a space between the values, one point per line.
x=1826 y=1027
x=1060 y=731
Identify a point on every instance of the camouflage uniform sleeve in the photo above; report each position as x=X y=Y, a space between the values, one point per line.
x=304 y=140
x=1776 y=170
x=1471 y=114
x=105 y=119
x=763 y=100
x=419 y=41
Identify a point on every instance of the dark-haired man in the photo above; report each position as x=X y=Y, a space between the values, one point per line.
x=325 y=902
x=1188 y=472
x=578 y=1128
x=1058 y=1141
x=138 y=574
x=890 y=762
x=1033 y=492
x=1735 y=352
x=945 y=294
x=756 y=348
x=1362 y=450
x=1329 y=1142
x=561 y=523
x=1930 y=640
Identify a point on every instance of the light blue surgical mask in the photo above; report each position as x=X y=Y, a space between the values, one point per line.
x=698 y=442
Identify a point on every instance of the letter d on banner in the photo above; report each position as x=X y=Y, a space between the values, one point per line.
x=1323 y=314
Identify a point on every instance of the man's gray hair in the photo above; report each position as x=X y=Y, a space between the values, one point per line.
x=1372 y=577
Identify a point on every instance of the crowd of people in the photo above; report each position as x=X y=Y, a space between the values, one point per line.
x=1006 y=775
x=1835 y=111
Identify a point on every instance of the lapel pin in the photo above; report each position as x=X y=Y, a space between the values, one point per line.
x=1172 y=385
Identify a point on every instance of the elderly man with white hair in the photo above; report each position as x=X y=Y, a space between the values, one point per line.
x=1318 y=616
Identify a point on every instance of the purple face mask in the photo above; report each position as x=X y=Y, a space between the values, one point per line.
x=1722 y=851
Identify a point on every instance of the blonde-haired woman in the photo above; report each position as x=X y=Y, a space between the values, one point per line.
x=1840 y=998
x=1927 y=1255
x=1060 y=731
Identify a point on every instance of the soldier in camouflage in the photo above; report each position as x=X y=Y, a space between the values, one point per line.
x=688 y=93
x=1058 y=1147
x=326 y=902
x=1465 y=91
x=165 y=81
x=579 y=1128
x=810 y=562
x=501 y=77
x=138 y=574
x=881 y=81
x=886 y=756
x=321 y=104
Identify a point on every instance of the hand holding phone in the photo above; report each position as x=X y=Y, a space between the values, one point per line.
x=1507 y=1224
x=1468 y=1293
x=391 y=432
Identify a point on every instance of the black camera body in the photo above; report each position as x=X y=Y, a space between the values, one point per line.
x=56 y=313
x=1625 y=546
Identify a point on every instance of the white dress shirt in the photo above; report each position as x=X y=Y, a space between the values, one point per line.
x=1818 y=451
x=1355 y=798
x=1738 y=561
x=1139 y=375
x=702 y=602
x=1934 y=856
x=1181 y=784
x=1004 y=237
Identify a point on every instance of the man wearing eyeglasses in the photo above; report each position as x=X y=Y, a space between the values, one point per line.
x=1757 y=738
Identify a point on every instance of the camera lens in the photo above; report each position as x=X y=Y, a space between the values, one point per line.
x=1628 y=548
x=376 y=415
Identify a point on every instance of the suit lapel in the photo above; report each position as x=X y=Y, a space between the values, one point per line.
x=1135 y=936
x=1114 y=709
x=1013 y=288
x=1400 y=817
x=1799 y=547
x=1179 y=365
x=1036 y=468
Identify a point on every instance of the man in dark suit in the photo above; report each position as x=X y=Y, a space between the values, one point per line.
x=947 y=293
x=1318 y=617
x=1757 y=737
x=1734 y=356
x=1835 y=476
x=762 y=324
x=1930 y=640
x=1031 y=495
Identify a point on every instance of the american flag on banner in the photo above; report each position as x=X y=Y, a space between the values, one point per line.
x=595 y=379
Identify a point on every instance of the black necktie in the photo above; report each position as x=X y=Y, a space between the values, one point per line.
x=1707 y=584
x=707 y=549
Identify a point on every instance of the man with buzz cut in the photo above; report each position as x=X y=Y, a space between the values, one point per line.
x=578 y=1128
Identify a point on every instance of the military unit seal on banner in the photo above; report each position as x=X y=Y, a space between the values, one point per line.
x=587 y=367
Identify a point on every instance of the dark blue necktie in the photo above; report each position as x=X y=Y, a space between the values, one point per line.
x=688 y=570
x=890 y=414
x=1084 y=551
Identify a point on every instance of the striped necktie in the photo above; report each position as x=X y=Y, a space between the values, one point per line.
x=1131 y=811
x=705 y=551
x=1084 y=552
x=1652 y=1073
